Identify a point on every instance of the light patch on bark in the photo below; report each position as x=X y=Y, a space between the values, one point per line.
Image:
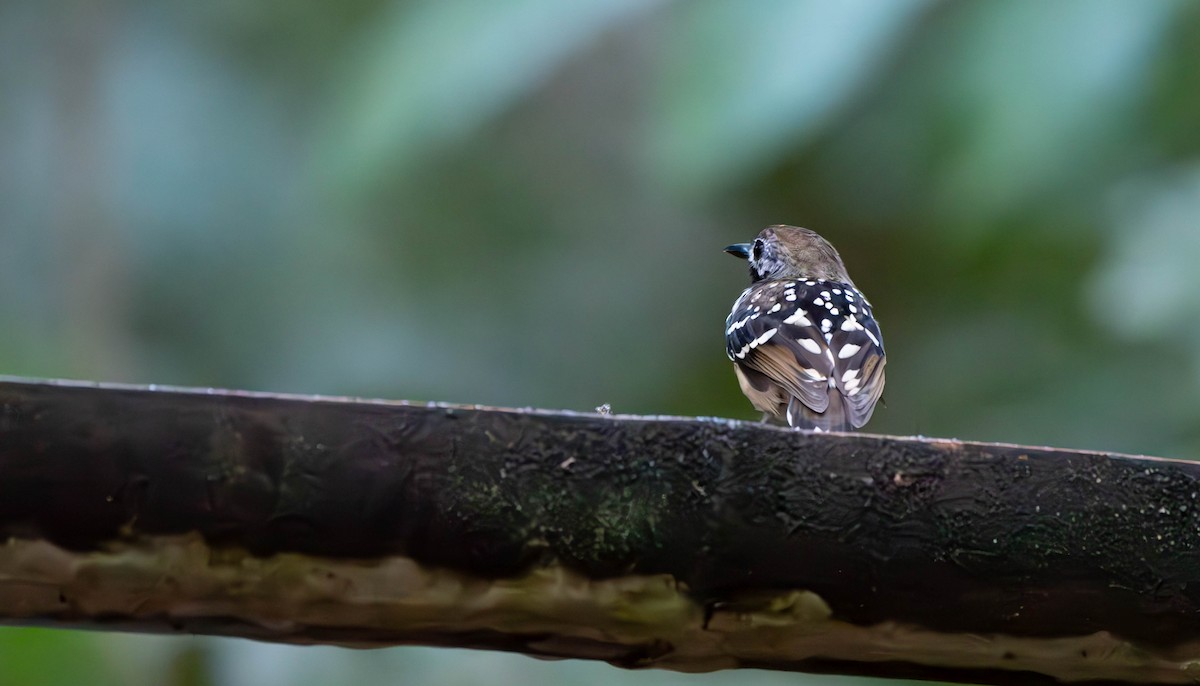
x=179 y=583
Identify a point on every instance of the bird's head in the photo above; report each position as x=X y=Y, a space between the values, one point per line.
x=790 y=252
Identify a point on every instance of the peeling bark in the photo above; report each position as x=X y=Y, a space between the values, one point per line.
x=689 y=544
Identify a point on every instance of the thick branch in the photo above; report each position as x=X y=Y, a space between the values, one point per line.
x=689 y=544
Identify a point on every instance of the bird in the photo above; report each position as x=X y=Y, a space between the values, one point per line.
x=803 y=339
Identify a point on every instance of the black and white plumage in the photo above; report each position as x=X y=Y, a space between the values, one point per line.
x=802 y=338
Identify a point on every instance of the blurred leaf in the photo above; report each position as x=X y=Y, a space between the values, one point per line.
x=745 y=82
x=430 y=71
x=1045 y=91
x=47 y=657
x=1150 y=275
x=190 y=667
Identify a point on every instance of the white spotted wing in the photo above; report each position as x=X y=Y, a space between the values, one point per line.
x=807 y=351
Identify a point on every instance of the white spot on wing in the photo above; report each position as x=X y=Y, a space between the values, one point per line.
x=737 y=325
x=798 y=317
x=848 y=350
x=766 y=336
x=810 y=345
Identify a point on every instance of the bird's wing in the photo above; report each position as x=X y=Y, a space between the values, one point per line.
x=821 y=339
x=857 y=345
x=787 y=350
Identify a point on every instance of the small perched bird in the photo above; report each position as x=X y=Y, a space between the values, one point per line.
x=802 y=339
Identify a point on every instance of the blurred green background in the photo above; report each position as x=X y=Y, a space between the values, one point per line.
x=524 y=203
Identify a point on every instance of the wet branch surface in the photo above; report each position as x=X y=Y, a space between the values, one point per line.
x=760 y=529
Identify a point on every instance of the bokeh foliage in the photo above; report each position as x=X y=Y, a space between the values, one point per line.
x=523 y=203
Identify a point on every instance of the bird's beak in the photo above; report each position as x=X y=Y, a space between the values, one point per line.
x=741 y=250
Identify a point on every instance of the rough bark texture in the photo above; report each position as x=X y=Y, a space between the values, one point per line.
x=689 y=544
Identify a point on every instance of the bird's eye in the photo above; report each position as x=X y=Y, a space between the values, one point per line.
x=757 y=251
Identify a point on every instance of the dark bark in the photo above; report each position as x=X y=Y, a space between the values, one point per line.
x=940 y=537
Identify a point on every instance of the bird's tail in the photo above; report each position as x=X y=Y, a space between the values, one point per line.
x=834 y=418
